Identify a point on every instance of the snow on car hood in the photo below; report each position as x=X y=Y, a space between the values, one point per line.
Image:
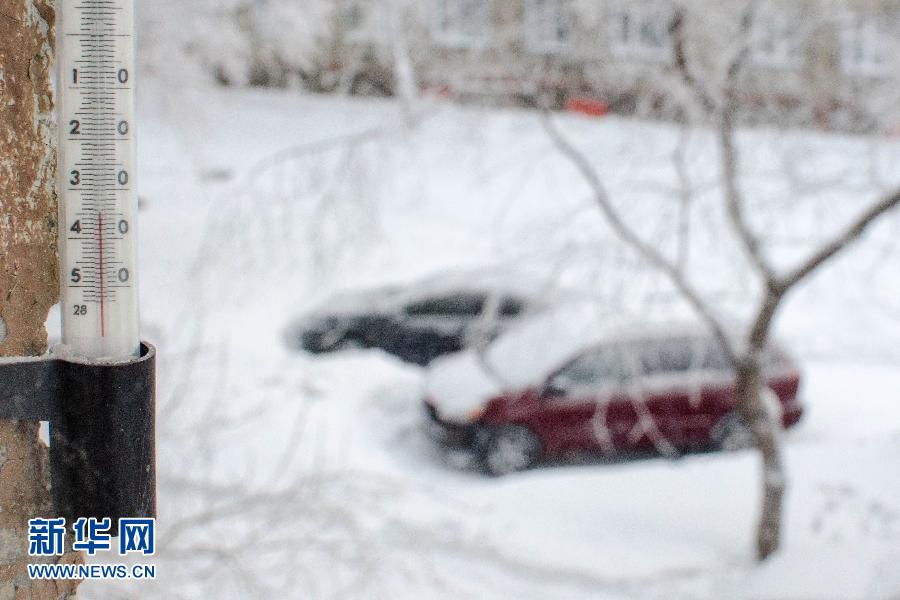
x=459 y=385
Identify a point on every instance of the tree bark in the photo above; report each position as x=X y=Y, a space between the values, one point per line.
x=28 y=273
x=753 y=411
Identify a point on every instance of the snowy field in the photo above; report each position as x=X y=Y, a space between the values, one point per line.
x=290 y=476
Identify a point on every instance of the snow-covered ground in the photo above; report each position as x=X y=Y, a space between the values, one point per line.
x=313 y=473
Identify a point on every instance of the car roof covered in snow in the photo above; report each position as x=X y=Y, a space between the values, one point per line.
x=536 y=288
x=563 y=333
x=538 y=345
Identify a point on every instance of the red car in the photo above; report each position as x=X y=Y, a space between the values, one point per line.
x=667 y=390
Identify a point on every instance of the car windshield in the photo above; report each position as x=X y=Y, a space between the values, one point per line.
x=597 y=367
x=450 y=305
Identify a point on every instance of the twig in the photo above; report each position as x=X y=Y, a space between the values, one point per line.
x=848 y=236
x=627 y=235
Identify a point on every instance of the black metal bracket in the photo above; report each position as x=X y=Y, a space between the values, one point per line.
x=102 y=429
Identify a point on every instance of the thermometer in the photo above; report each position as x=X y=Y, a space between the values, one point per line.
x=98 y=205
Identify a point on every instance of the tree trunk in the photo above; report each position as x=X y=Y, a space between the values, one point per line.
x=28 y=273
x=756 y=415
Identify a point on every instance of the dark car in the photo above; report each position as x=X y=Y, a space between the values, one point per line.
x=422 y=321
x=665 y=391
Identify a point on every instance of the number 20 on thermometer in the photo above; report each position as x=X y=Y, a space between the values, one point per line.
x=97 y=178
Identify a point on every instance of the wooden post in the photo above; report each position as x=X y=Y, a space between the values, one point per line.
x=28 y=274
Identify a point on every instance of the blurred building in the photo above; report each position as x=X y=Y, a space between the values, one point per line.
x=824 y=63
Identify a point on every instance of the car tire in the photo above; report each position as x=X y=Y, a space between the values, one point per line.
x=732 y=434
x=509 y=449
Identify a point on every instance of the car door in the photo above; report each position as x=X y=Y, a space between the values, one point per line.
x=666 y=391
x=717 y=396
x=582 y=400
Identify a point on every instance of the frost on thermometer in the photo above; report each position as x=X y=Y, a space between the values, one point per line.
x=97 y=167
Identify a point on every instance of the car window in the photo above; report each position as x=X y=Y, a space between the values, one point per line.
x=511 y=307
x=671 y=355
x=715 y=358
x=451 y=305
x=595 y=368
x=502 y=306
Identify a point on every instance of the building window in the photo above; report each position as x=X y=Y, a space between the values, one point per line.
x=641 y=30
x=865 y=45
x=776 y=39
x=549 y=25
x=461 y=23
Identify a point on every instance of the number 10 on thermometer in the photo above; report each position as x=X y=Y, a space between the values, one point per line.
x=97 y=178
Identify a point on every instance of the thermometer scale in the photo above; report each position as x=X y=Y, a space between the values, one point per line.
x=97 y=178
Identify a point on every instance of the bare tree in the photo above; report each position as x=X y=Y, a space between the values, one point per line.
x=745 y=351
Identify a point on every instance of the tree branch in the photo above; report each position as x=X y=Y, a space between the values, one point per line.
x=630 y=238
x=848 y=236
x=679 y=55
x=734 y=199
x=727 y=108
x=730 y=157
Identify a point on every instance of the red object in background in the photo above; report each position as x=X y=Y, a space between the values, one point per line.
x=591 y=404
x=565 y=422
x=587 y=106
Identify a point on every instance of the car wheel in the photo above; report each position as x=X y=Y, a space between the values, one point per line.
x=732 y=433
x=509 y=449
